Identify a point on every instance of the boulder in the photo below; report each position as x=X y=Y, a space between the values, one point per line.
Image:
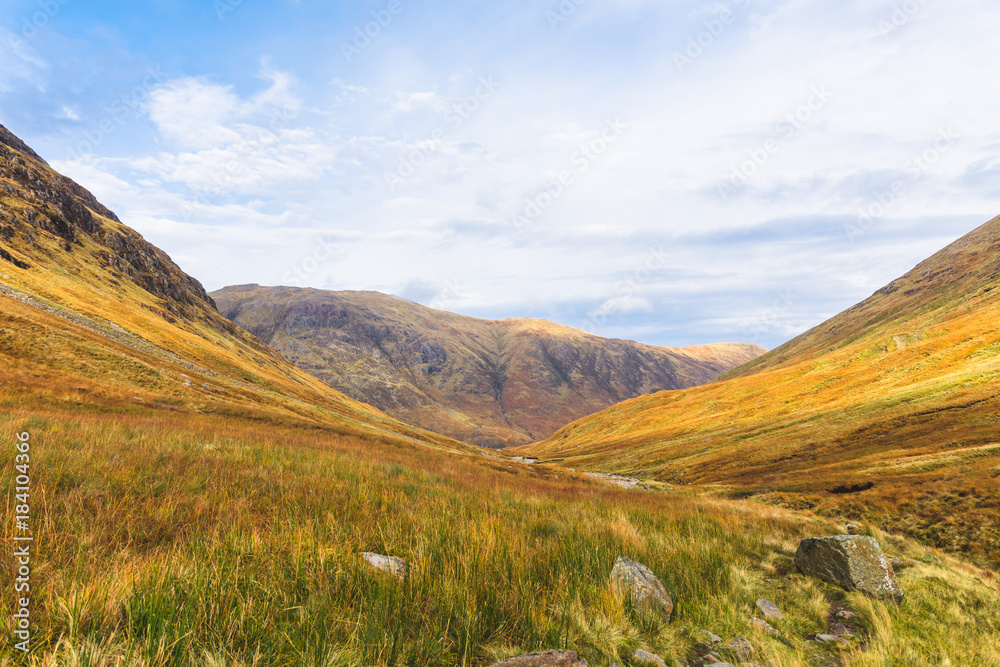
x=646 y=593
x=770 y=610
x=646 y=659
x=397 y=567
x=853 y=562
x=545 y=659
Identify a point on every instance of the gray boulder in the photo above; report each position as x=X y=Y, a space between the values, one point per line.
x=853 y=562
x=545 y=659
x=770 y=610
x=636 y=582
x=646 y=659
x=397 y=567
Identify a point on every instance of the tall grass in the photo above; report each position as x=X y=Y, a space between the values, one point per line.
x=186 y=540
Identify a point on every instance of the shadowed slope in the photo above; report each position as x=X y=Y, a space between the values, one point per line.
x=92 y=314
x=486 y=382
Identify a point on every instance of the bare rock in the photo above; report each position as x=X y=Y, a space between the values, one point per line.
x=397 y=567
x=646 y=659
x=853 y=562
x=770 y=610
x=545 y=659
x=713 y=638
x=640 y=585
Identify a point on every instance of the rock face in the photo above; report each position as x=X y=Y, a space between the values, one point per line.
x=545 y=659
x=854 y=562
x=45 y=216
x=645 y=592
x=491 y=383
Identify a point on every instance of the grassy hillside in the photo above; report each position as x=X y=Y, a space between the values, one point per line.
x=195 y=540
x=489 y=383
x=887 y=412
x=93 y=315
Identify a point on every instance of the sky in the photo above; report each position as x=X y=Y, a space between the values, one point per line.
x=671 y=172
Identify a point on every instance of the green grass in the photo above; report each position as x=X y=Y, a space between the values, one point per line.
x=155 y=549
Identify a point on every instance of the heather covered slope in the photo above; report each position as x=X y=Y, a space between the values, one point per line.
x=895 y=401
x=92 y=314
x=486 y=382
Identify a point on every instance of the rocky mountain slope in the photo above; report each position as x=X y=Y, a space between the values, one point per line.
x=891 y=407
x=490 y=383
x=92 y=314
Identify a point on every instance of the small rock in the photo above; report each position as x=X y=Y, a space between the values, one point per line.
x=545 y=659
x=761 y=624
x=646 y=658
x=845 y=615
x=640 y=585
x=397 y=567
x=719 y=664
x=854 y=562
x=770 y=610
x=714 y=638
x=853 y=529
x=741 y=646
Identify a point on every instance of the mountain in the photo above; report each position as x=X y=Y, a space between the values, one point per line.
x=92 y=314
x=891 y=407
x=490 y=383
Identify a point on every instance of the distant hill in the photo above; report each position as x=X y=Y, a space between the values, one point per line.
x=490 y=383
x=92 y=314
x=894 y=403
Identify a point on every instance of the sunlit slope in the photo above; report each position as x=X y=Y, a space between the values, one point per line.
x=486 y=382
x=905 y=384
x=92 y=314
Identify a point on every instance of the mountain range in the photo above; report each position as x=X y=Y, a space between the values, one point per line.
x=488 y=383
x=192 y=497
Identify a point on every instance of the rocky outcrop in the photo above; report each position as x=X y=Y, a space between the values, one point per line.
x=635 y=582
x=44 y=214
x=853 y=562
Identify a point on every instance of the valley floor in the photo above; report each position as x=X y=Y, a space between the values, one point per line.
x=179 y=539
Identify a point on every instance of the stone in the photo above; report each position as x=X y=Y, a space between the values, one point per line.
x=740 y=646
x=713 y=638
x=397 y=567
x=646 y=593
x=845 y=615
x=761 y=624
x=770 y=610
x=647 y=659
x=853 y=562
x=545 y=659
x=853 y=529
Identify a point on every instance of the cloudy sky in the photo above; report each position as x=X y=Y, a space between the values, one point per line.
x=668 y=171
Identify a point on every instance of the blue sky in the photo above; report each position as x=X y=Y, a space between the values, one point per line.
x=672 y=172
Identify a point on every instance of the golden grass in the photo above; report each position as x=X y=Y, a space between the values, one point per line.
x=178 y=539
